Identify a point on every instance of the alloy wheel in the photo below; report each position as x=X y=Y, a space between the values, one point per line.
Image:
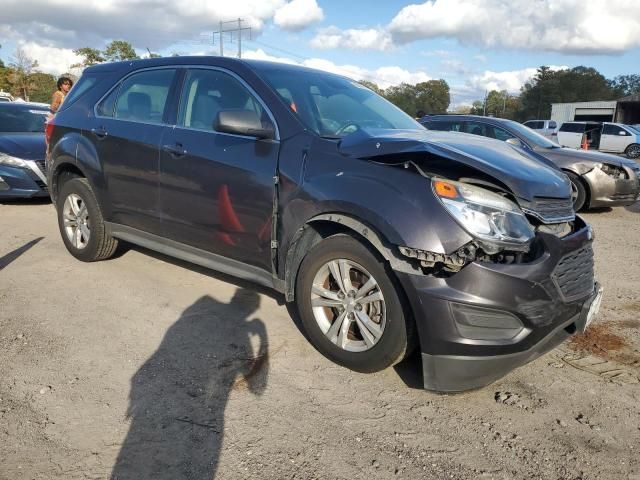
x=348 y=305
x=76 y=221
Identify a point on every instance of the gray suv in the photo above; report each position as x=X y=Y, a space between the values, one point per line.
x=384 y=236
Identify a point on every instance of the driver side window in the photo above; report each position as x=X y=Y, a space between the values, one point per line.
x=206 y=92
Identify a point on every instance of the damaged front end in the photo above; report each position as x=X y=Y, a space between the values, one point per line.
x=520 y=285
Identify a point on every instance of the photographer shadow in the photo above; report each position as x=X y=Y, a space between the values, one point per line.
x=178 y=397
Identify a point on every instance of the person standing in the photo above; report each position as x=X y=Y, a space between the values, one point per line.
x=64 y=85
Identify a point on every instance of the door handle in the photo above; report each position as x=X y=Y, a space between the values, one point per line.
x=99 y=132
x=176 y=150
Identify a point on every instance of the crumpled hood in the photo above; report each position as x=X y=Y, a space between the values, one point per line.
x=584 y=156
x=28 y=146
x=527 y=175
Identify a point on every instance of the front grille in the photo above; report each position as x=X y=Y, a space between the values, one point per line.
x=552 y=210
x=574 y=274
x=42 y=166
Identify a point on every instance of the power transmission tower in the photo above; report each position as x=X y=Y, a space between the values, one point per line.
x=239 y=29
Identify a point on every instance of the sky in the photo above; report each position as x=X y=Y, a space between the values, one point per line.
x=475 y=45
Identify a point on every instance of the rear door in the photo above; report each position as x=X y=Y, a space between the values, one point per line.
x=614 y=138
x=570 y=134
x=126 y=133
x=217 y=189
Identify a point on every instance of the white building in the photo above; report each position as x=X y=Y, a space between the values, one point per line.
x=625 y=110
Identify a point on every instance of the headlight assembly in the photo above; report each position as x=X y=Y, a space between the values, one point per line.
x=10 y=161
x=613 y=170
x=489 y=217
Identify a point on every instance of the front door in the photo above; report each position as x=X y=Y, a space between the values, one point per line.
x=217 y=189
x=614 y=138
x=126 y=132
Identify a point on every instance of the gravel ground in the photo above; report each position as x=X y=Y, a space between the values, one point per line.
x=143 y=367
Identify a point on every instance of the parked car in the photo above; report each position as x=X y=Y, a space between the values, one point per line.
x=386 y=236
x=546 y=128
x=5 y=97
x=22 y=150
x=603 y=136
x=597 y=179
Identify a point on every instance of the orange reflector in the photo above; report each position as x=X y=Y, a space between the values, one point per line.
x=445 y=189
x=293 y=107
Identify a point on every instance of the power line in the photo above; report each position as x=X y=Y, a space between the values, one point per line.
x=239 y=29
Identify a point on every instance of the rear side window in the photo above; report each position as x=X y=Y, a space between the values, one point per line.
x=535 y=124
x=143 y=96
x=207 y=92
x=572 y=127
x=444 y=126
x=83 y=85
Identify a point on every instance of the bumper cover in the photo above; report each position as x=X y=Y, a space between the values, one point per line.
x=530 y=292
x=606 y=191
x=456 y=373
x=21 y=183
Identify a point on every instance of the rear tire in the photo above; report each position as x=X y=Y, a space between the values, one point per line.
x=358 y=322
x=578 y=191
x=633 y=151
x=81 y=223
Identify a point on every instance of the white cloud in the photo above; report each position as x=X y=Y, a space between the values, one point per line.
x=51 y=59
x=566 y=26
x=569 y=26
x=384 y=77
x=298 y=15
x=354 y=39
x=511 y=81
x=154 y=24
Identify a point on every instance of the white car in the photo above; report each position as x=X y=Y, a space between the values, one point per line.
x=546 y=128
x=603 y=136
x=5 y=97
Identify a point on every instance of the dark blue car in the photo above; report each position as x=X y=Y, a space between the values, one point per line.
x=387 y=237
x=22 y=150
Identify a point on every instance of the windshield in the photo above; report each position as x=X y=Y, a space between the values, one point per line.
x=17 y=120
x=530 y=136
x=334 y=106
x=634 y=128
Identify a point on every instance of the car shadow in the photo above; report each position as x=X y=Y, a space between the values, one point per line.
x=179 y=395
x=125 y=247
x=598 y=210
x=635 y=208
x=14 y=254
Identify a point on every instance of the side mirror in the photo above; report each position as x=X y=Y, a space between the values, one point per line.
x=622 y=133
x=242 y=122
x=514 y=141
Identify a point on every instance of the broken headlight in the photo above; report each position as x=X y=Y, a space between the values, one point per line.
x=489 y=217
x=613 y=171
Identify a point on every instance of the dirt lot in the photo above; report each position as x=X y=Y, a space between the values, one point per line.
x=146 y=368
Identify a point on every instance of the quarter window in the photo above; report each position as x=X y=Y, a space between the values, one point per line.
x=535 y=124
x=207 y=92
x=143 y=96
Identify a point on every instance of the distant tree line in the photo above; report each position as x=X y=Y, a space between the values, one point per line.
x=429 y=97
x=579 y=84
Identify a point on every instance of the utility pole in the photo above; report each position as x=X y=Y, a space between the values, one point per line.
x=239 y=29
x=484 y=107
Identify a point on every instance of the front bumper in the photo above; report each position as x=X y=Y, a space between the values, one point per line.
x=21 y=182
x=607 y=191
x=548 y=312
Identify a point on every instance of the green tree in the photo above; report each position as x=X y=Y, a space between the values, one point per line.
x=579 y=84
x=22 y=66
x=432 y=96
x=119 y=50
x=372 y=86
x=42 y=86
x=91 y=56
x=626 y=84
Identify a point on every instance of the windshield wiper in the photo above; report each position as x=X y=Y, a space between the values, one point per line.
x=331 y=137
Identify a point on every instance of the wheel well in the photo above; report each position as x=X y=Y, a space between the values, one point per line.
x=587 y=200
x=63 y=173
x=325 y=226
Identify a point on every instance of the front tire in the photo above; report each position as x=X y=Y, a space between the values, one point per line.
x=350 y=307
x=578 y=191
x=633 y=151
x=81 y=223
